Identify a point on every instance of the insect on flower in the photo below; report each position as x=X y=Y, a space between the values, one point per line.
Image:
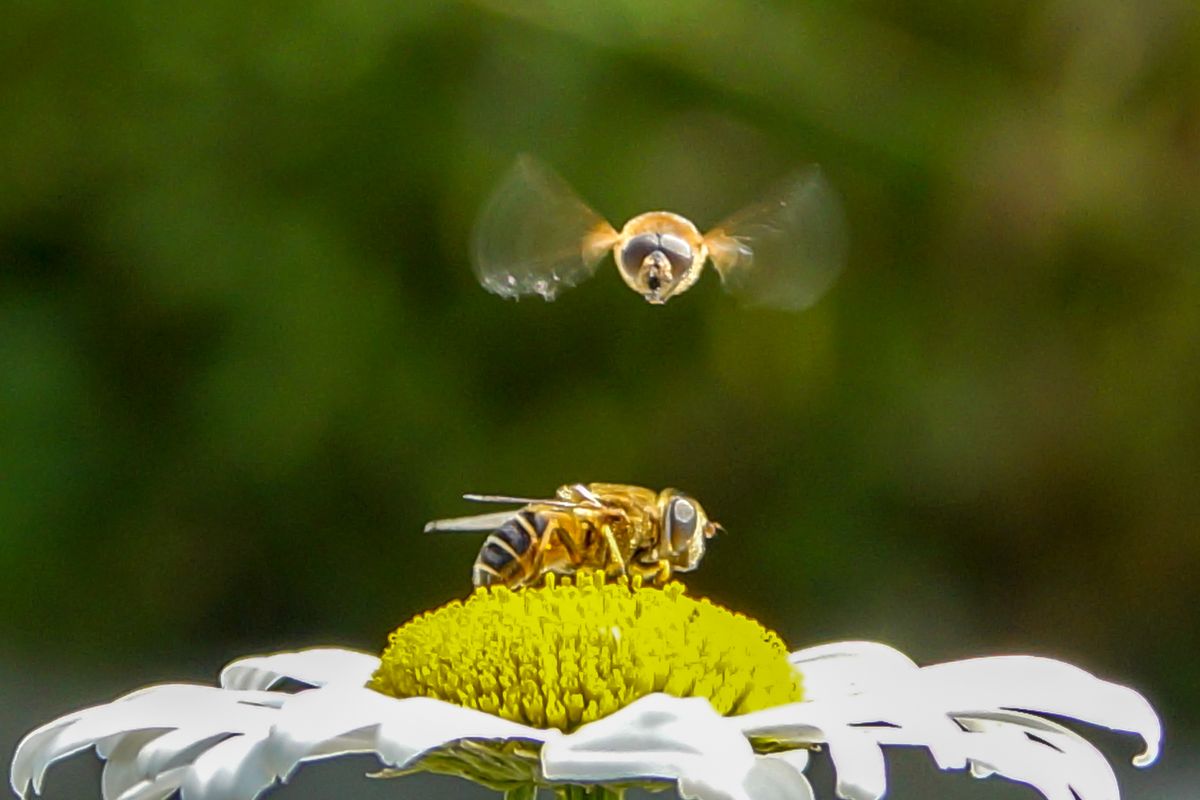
x=535 y=236
x=611 y=527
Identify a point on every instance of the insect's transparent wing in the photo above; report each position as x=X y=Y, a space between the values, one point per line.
x=503 y=498
x=786 y=250
x=479 y=522
x=535 y=236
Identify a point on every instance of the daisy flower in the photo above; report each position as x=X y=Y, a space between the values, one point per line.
x=590 y=687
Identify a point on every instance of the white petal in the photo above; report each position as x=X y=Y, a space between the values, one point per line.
x=232 y=769
x=779 y=777
x=120 y=768
x=418 y=724
x=156 y=708
x=74 y=732
x=853 y=727
x=233 y=744
x=1075 y=761
x=1004 y=750
x=160 y=787
x=1047 y=687
x=798 y=758
x=665 y=738
x=861 y=774
x=111 y=744
x=28 y=764
x=182 y=747
x=857 y=758
x=891 y=702
x=365 y=721
x=842 y=668
x=319 y=666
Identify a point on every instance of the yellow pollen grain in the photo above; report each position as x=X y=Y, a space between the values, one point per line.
x=566 y=653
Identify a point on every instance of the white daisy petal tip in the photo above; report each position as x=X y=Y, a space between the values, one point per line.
x=1150 y=731
x=1151 y=752
x=1048 y=687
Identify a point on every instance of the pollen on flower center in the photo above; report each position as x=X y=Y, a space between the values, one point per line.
x=567 y=653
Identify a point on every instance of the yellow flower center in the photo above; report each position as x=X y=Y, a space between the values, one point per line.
x=566 y=653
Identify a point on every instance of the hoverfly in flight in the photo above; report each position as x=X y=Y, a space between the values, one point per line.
x=535 y=236
x=609 y=527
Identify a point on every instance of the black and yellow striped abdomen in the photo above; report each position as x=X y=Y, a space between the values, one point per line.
x=510 y=554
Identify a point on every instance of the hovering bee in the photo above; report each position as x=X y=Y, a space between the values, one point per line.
x=622 y=530
x=536 y=236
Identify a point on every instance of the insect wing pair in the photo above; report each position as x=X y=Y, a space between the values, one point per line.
x=535 y=236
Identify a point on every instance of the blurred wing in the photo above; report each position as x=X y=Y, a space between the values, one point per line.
x=785 y=251
x=479 y=522
x=535 y=236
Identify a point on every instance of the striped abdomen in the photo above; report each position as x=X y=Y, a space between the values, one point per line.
x=509 y=553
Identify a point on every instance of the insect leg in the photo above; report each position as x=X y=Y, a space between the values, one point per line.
x=656 y=573
x=573 y=548
x=614 y=552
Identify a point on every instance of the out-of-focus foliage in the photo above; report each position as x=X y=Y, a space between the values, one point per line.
x=243 y=358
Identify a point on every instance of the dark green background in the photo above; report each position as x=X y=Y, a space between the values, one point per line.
x=243 y=357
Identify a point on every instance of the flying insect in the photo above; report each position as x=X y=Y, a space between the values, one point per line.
x=535 y=236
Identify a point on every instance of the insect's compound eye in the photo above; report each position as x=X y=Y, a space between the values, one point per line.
x=677 y=251
x=681 y=524
x=673 y=250
x=635 y=252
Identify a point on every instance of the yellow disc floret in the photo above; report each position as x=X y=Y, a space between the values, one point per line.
x=567 y=653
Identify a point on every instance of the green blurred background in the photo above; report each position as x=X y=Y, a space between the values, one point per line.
x=243 y=358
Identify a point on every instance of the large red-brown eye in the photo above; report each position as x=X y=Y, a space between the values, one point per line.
x=681 y=524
